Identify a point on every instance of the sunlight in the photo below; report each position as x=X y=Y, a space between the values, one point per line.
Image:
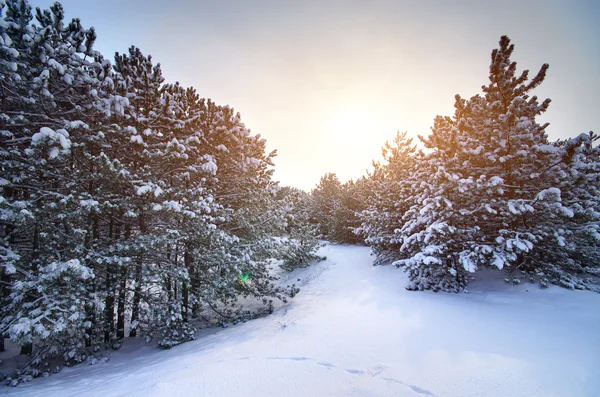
x=354 y=128
x=352 y=122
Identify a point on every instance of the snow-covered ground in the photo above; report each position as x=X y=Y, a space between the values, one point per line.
x=355 y=331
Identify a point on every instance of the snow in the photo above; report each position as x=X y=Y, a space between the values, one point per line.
x=553 y=192
x=89 y=204
x=490 y=209
x=495 y=181
x=137 y=139
x=173 y=205
x=57 y=66
x=48 y=134
x=353 y=330
x=209 y=167
x=141 y=190
x=72 y=125
x=467 y=263
x=546 y=148
x=53 y=153
x=68 y=78
x=524 y=124
x=498 y=261
x=567 y=212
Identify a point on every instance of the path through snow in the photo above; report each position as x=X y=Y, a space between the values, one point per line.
x=355 y=331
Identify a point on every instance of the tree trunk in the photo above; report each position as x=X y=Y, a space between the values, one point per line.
x=91 y=317
x=121 y=304
x=26 y=349
x=168 y=278
x=185 y=308
x=109 y=302
x=135 y=311
x=114 y=233
x=109 y=307
x=3 y=295
x=122 y=295
x=90 y=309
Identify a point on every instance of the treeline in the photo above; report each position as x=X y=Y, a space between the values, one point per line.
x=485 y=189
x=129 y=206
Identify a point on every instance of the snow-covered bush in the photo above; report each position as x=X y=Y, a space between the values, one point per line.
x=173 y=330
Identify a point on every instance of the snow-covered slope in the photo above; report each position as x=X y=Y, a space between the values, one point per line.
x=355 y=331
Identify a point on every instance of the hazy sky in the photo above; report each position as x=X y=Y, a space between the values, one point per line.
x=328 y=82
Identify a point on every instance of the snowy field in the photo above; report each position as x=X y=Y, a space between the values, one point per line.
x=355 y=331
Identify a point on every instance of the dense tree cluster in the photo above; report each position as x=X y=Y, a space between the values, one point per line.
x=489 y=190
x=128 y=205
x=335 y=207
x=301 y=232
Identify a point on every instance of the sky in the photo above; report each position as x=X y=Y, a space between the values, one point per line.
x=328 y=82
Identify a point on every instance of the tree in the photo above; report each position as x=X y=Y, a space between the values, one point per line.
x=47 y=77
x=300 y=242
x=388 y=197
x=126 y=203
x=335 y=208
x=489 y=191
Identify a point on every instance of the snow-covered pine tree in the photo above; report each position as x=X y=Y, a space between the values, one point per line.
x=326 y=198
x=336 y=207
x=50 y=82
x=566 y=218
x=353 y=202
x=388 y=197
x=299 y=241
x=488 y=196
x=124 y=200
x=247 y=222
x=186 y=216
x=140 y=81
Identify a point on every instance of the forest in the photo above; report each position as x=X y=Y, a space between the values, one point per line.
x=133 y=207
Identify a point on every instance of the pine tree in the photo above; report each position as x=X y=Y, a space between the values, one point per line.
x=125 y=202
x=488 y=195
x=46 y=109
x=388 y=197
x=297 y=248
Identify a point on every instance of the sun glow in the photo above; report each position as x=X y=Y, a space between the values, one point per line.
x=352 y=123
x=354 y=130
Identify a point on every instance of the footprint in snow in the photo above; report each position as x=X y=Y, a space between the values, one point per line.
x=373 y=372
x=414 y=388
x=328 y=365
x=354 y=371
x=289 y=358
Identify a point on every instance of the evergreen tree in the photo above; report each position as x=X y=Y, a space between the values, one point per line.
x=388 y=197
x=488 y=192
x=126 y=203
x=46 y=105
x=300 y=242
x=335 y=208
